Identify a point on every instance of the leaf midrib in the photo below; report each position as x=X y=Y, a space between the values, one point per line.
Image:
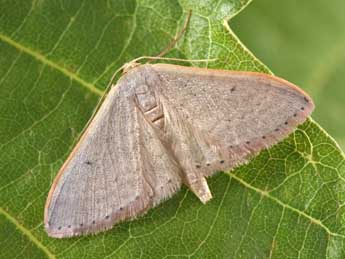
x=38 y=56
x=27 y=233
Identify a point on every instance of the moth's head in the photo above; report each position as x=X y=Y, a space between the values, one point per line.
x=128 y=66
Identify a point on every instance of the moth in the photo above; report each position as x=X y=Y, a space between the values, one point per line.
x=162 y=126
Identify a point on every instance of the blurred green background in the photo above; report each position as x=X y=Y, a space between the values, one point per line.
x=302 y=41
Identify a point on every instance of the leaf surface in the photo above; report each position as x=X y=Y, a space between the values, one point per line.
x=56 y=59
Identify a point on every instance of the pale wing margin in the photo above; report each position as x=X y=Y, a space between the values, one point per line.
x=233 y=114
x=118 y=170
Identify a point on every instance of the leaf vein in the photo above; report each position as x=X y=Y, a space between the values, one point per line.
x=41 y=119
x=276 y=233
x=128 y=42
x=248 y=224
x=287 y=206
x=28 y=234
x=97 y=44
x=214 y=220
x=304 y=239
x=50 y=63
x=70 y=23
x=25 y=19
x=14 y=62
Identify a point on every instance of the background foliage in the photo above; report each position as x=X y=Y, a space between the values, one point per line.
x=56 y=58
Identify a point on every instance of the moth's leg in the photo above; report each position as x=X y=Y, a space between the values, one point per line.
x=198 y=185
x=187 y=153
x=202 y=190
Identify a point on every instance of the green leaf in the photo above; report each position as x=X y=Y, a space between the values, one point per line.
x=56 y=58
x=304 y=43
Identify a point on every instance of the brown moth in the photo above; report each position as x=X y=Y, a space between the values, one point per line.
x=163 y=126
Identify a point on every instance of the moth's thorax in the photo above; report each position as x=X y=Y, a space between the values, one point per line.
x=141 y=84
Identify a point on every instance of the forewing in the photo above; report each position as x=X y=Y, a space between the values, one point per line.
x=235 y=114
x=112 y=174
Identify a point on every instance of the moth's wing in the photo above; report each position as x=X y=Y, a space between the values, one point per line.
x=231 y=114
x=118 y=170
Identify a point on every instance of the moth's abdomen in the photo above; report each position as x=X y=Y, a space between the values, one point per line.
x=149 y=104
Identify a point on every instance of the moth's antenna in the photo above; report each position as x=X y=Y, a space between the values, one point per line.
x=114 y=75
x=171 y=59
x=159 y=56
x=177 y=37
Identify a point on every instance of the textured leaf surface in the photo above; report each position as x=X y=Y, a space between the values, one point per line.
x=56 y=58
x=304 y=43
